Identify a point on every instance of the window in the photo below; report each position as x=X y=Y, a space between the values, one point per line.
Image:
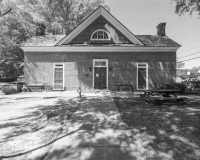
x=100 y=63
x=100 y=34
x=142 y=76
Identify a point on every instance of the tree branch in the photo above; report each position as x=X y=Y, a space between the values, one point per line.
x=1 y=15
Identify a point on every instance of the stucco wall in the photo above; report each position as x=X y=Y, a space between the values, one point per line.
x=39 y=68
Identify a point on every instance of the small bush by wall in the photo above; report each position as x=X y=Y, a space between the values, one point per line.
x=9 y=90
x=181 y=87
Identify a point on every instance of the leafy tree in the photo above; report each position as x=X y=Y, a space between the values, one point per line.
x=180 y=64
x=3 y=13
x=194 y=71
x=70 y=13
x=59 y=17
x=12 y=57
x=189 y=6
x=180 y=72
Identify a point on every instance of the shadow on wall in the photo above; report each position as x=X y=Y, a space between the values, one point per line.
x=118 y=72
x=29 y=73
x=161 y=73
x=85 y=75
x=38 y=73
x=79 y=70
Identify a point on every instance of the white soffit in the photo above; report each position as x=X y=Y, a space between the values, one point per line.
x=91 y=18
x=99 y=49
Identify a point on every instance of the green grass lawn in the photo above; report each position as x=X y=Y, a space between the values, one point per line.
x=175 y=130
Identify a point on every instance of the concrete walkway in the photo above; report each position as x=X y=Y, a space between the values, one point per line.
x=96 y=132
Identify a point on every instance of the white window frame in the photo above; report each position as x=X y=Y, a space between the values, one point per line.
x=109 y=38
x=147 y=78
x=96 y=60
x=63 y=67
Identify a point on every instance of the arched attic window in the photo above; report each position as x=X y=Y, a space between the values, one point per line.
x=100 y=34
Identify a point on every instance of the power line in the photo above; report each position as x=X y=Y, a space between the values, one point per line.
x=190 y=55
x=189 y=49
x=189 y=59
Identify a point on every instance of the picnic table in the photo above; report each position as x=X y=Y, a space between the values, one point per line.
x=165 y=95
x=164 y=92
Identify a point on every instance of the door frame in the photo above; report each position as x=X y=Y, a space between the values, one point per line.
x=97 y=60
x=146 y=66
x=63 y=67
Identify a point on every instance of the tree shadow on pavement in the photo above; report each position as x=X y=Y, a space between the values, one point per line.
x=94 y=133
x=171 y=131
x=101 y=135
x=36 y=125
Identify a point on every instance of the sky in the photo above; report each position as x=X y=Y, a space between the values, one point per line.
x=142 y=16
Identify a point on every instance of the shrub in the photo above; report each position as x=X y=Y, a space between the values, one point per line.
x=180 y=86
x=9 y=90
x=177 y=86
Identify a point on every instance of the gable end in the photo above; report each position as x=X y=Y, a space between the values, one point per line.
x=116 y=37
x=120 y=34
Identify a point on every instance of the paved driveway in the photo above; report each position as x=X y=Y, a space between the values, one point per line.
x=96 y=131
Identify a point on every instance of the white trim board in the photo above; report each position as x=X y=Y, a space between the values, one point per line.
x=147 y=74
x=99 y=49
x=100 y=11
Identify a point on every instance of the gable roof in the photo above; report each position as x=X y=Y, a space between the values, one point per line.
x=148 y=40
x=154 y=40
x=46 y=40
x=100 y=11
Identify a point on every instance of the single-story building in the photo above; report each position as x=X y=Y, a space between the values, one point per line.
x=101 y=53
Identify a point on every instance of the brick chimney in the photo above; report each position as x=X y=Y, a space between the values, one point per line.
x=161 y=29
x=40 y=29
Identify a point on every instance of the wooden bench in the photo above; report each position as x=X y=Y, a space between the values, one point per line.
x=125 y=87
x=35 y=87
x=152 y=100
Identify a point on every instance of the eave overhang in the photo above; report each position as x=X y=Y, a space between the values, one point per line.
x=99 y=49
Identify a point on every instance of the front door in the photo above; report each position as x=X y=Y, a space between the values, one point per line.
x=58 y=78
x=100 y=78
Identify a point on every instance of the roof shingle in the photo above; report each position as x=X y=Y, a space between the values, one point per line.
x=47 y=40
x=148 y=40
x=157 y=41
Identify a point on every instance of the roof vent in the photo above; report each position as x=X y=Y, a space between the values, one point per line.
x=161 y=29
